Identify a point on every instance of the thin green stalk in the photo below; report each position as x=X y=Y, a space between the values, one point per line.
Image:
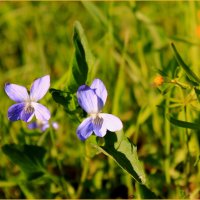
x=137 y=193
x=120 y=79
x=83 y=176
x=141 y=56
x=7 y=184
x=129 y=185
x=13 y=136
x=26 y=191
x=40 y=43
x=167 y=141
x=192 y=20
x=187 y=161
x=42 y=138
x=62 y=181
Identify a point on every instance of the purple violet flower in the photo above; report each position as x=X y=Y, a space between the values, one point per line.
x=92 y=99
x=27 y=106
x=42 y=125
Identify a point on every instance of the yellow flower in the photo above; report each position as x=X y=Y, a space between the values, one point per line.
x=158 y=80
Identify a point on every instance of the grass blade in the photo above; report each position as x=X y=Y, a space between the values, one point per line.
x=191 y=75
x=182 y=124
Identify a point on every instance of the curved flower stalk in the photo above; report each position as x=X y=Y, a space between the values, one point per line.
x=27 y=106
x=92 y=99
x=43 y=125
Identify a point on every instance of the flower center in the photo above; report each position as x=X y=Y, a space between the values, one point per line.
x=97 y=120
x=29 y=108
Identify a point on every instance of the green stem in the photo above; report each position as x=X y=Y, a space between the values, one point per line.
x=26 y=191
x=187 y=164
x=83 y=176
x=129 y=185
x=192 y=25
x=62 y=181
x=181 y=85
x=167 y=142
x=7 y=184
x=41 y=139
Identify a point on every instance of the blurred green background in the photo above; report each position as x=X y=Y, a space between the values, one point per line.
x=130 y=42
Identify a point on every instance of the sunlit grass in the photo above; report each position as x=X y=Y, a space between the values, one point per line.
x=131 y=45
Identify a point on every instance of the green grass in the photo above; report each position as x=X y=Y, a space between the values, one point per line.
x=131 y=44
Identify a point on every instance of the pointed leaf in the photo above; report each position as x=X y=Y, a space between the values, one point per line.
x=124 y=153
x=28 y=157
x=145 y=192
x=183 y=124
x=190 y=74
x=83 y=59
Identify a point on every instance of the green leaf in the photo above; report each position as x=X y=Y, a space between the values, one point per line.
x=197 y=91
x=66 y=99
x=96 y=13
x=183 y=124
x=190 y=74
x=69 y=103
x=60 y=97
x=185 y=40
x=124 y=153
x=28 y=157
x=145 y=192
x=82 y=62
